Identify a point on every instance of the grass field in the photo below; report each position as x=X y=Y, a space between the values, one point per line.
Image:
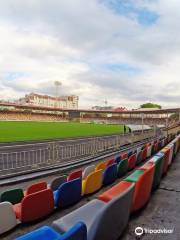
x=25 y=131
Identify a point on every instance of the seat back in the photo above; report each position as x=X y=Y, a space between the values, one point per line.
x=143 y=187
x=13 y=196
x=158 y=161
x=115 y=191
x=149 y=149
x=130 y=153
x=109 y=162
x=117 y=158
x=69 y=193
x=144 y=154
x=54 y=185
x=101 y=165
x=124 y=155
x=37 y=205
x=93 y=182
x=78 y=231
x=36 y=187
x=166 y=152
x=113 y=218
x=110 y=174
x=139 y=157
x=171 y=146
x=74 y=175
x=132 y=162
x=122 y=167
x=7 y=217
x=88 y=170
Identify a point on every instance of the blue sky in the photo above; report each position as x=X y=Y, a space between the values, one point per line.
x=129 y=9
x=124 y=51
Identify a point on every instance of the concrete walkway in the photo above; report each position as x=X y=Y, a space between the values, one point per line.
x=162 y=211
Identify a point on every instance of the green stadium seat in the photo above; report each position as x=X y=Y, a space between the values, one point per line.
x=13 y=196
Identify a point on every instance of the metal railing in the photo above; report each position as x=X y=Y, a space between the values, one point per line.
x=56 y=153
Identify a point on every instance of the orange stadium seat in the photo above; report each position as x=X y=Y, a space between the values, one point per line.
x=101 y=165
x=143 y=179
x=115 y=191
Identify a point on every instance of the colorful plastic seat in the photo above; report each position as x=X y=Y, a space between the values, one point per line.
x=130 y=153
x=143 y=179
x=13 y=196
x=104 y=221
x=77 y=232
x=144 y=154
x=117 y=158
x=131 y=162
x=101 y=165
x=166 y=152
x=93 y=182
x=110 y=162
x=115 y=191
x=35 y=206
x=68 y=193
x=110 y=174
x=149 y=151
x=36 y=187
x=155 y=148
x=139 y=157
x=87 y=171
x=122 y=167
x=7 y=217
x=74 y=175
x=55 y=183
x=158 y=161
x=124 y=155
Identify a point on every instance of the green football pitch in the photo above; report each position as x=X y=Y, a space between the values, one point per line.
x=27 y=131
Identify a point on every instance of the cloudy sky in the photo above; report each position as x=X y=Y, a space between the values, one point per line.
x=125 y=51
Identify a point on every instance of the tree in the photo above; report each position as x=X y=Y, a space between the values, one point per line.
x=150 y=105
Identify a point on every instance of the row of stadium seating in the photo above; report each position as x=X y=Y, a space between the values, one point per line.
x=24 y=116
x=107 y=216
x=68 y=191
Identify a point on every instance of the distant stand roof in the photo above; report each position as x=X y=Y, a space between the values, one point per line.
x=138 y=127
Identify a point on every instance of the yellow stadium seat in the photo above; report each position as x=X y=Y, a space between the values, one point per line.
x=93 y=182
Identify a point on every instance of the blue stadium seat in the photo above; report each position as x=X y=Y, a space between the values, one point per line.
x=110 y=174
x=68 y=193
x=77 y=232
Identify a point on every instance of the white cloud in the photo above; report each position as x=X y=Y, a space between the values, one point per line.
x=71 y=41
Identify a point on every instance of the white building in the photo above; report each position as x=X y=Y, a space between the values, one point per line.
x=68 y=102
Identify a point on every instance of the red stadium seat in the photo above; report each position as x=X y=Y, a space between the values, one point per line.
x=35 y=206
x=36 y=187
x=110 y=162
x=144 y=153
x=74 y=175
x=124 y=155
x=132 y=162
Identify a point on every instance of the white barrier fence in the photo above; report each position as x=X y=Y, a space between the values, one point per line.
x=54 y=153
